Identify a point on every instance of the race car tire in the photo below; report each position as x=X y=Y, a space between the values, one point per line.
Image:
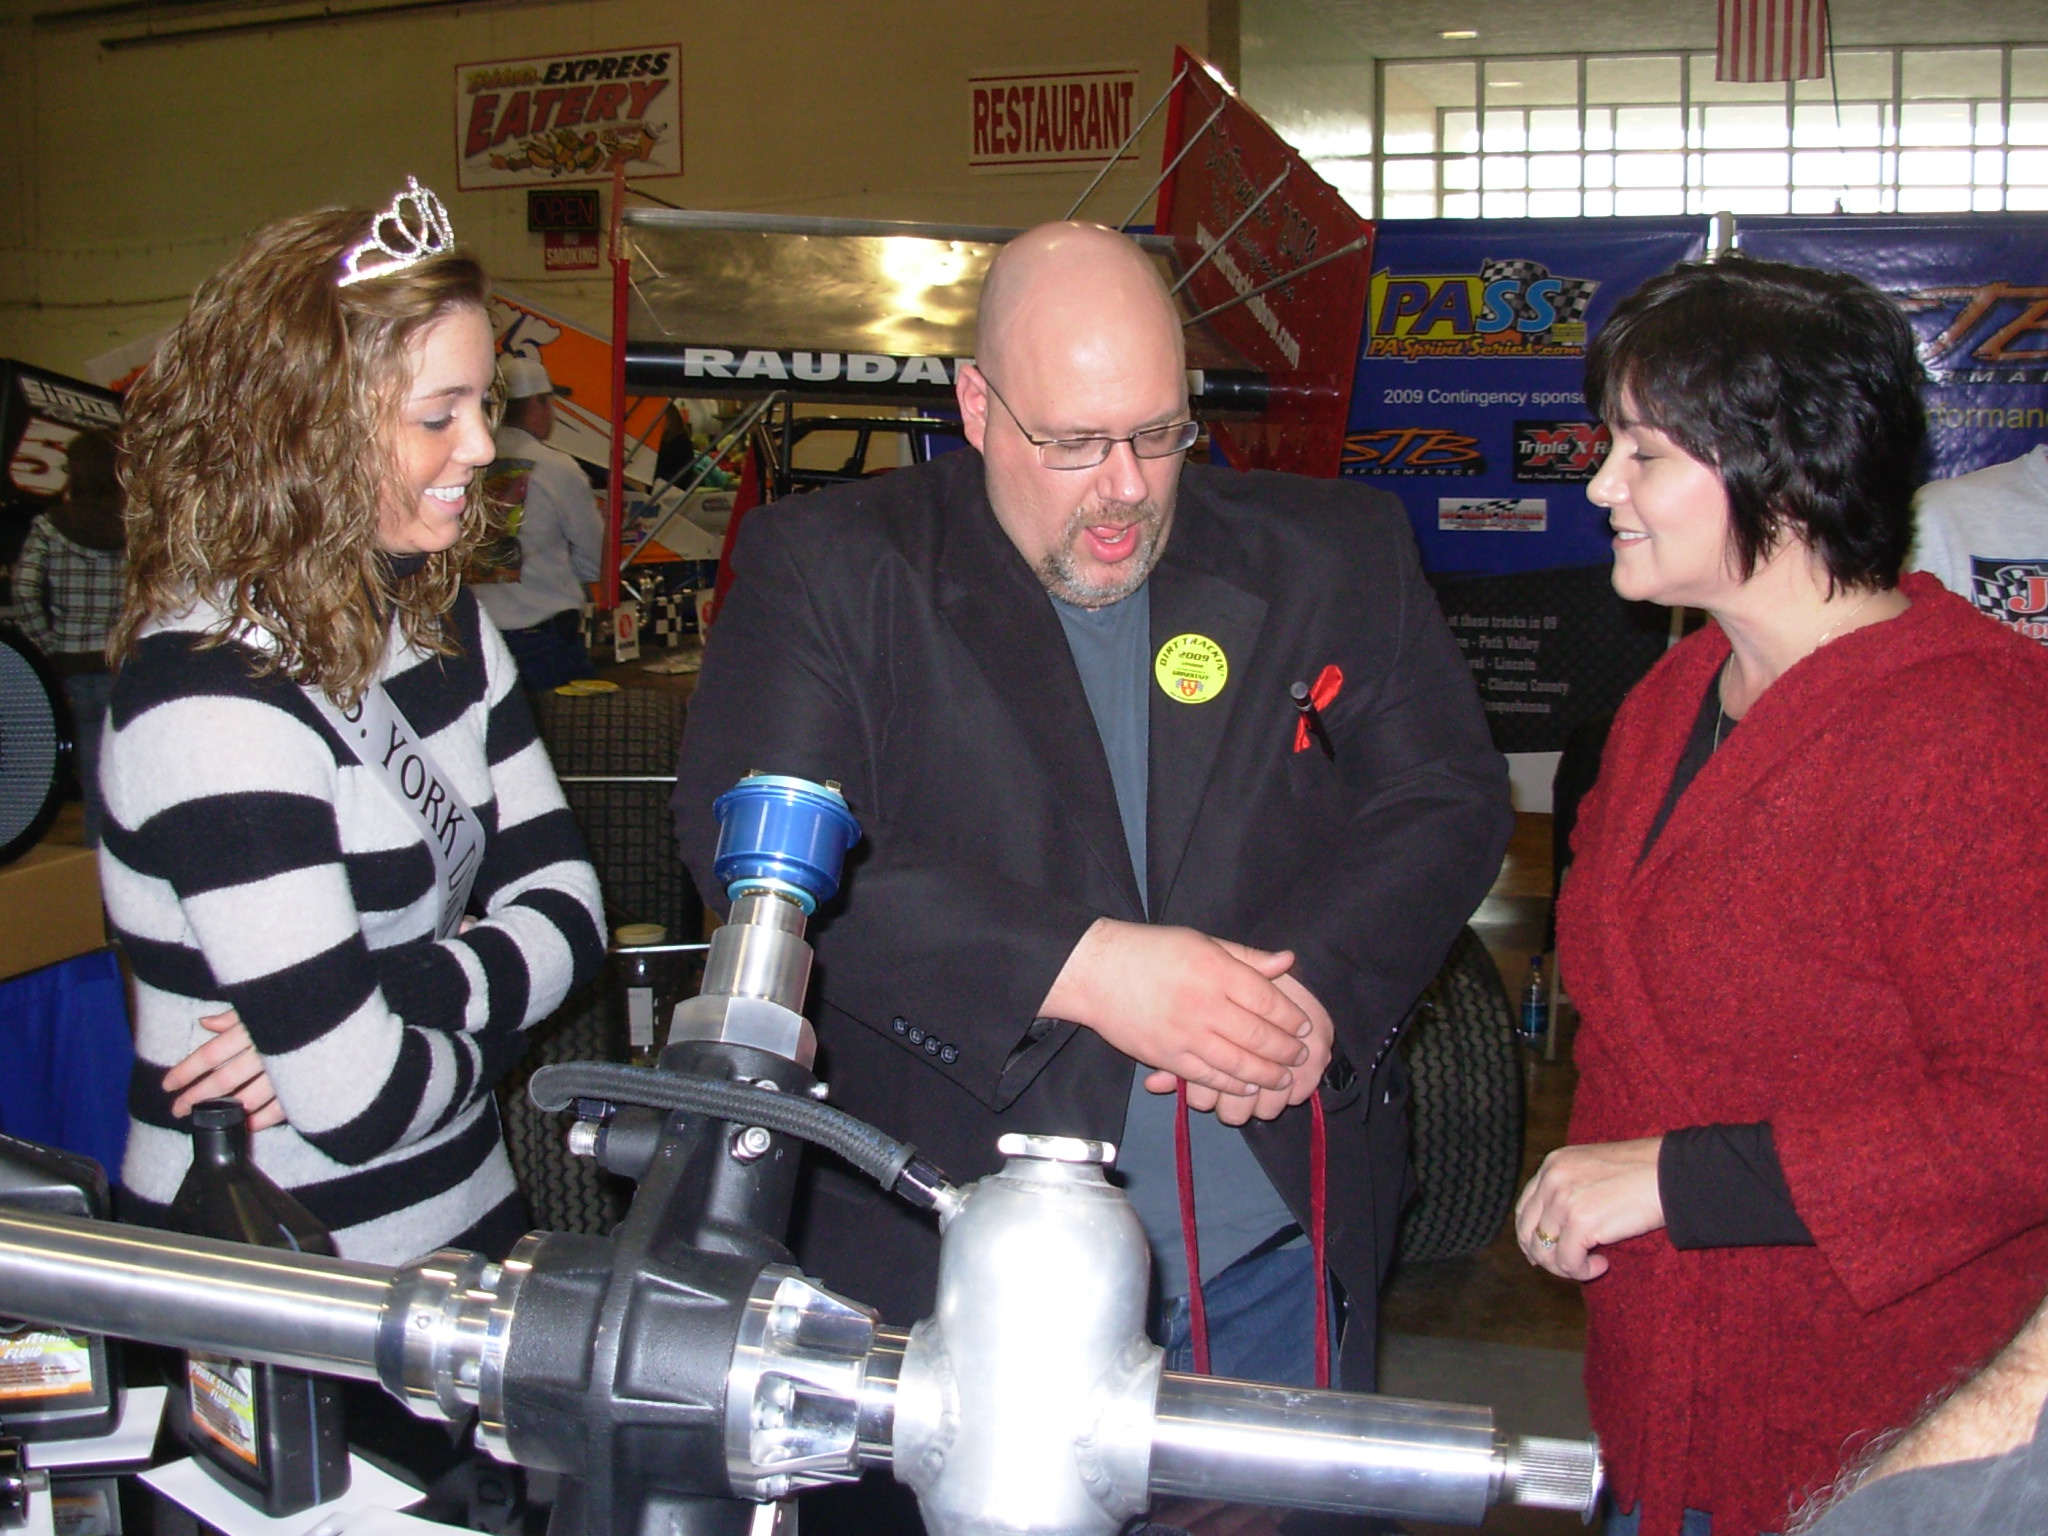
x=1465 y=1107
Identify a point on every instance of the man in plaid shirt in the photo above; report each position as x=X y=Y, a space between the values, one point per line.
x=67 y=593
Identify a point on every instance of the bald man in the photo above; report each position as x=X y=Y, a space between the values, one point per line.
x=1104 y=854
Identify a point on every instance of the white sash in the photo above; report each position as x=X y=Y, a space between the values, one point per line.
x=385 y=743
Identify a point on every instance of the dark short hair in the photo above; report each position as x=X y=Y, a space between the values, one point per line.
x=1801 y=388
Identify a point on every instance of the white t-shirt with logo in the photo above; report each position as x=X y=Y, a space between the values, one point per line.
x=1984 y=536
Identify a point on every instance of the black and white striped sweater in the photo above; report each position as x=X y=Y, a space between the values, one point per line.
x=250 y=861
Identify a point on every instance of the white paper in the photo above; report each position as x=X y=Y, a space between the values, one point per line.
x=134 y=1437
x=186 y=1483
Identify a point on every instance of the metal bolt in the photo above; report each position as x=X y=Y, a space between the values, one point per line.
x=752 y=1144
x=583 y=1137
x=821 y=1091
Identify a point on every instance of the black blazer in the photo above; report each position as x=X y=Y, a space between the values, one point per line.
x=887 y=635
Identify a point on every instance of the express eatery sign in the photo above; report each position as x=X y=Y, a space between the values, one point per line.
x=1030 y=122
x=564 y=117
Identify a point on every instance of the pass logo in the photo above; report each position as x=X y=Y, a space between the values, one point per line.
x=1412 y=451
x=1569 y=452
x=1508 y=308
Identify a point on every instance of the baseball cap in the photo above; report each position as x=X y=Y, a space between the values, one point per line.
x=526 y=377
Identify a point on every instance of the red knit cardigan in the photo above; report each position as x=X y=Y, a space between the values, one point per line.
x=1839 y=931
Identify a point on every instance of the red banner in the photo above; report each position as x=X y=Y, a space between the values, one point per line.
x=1302 y=331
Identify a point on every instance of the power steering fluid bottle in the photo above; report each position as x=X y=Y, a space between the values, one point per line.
x=271 y=1435
x=54 y=1384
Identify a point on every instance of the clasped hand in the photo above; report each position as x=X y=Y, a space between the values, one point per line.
x=1248 y=1038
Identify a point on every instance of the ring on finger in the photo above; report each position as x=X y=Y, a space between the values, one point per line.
x=1545 y=1239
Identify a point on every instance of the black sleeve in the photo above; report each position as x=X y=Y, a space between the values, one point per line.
x=1722 y=1187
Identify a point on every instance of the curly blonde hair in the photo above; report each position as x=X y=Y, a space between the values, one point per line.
x=257 y=458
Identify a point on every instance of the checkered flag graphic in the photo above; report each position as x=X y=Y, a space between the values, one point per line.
x=1573 y=293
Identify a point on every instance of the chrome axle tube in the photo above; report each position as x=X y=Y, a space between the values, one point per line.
x=813 y=1389
x=1241 y=1442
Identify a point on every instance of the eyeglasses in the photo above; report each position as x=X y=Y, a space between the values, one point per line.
x=1087 y=452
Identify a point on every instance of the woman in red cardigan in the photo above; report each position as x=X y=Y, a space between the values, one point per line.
x=1806 y=915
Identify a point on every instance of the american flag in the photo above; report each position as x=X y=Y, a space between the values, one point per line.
x=1772 y=40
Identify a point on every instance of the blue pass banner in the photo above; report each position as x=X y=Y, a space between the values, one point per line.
x=1468 y=397
x=1975 y=287
x=1468 y=404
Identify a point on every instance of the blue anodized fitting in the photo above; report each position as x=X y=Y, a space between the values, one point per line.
x=783 y=835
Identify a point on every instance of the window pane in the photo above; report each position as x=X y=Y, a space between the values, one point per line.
x=1554 y=205
x=1461 y=205
x=1934 y=199
x=1409 y=205
x=1934 y=168
x=1861 y=124
x=1410 y=176
x=1554 y=171
x=2029 y=123
x=1600 y=205
x=1554 y=129
x=1505 y=172
x=1706 y=88
x=1599 y=170
x=2030 y=72
x=1934 y=122
x=1827 y=168
x=1506 y=205
x=1990 y=123
x=1414 y=93
x=1648 y=128
x=1506 y=132
x=1532 y=82
x=1742 y=127
x=1649 y=203
x=1652 y=78
x=1600 y=128
x=1744 y=170
x=1741 y=200
x=1987 y=200
x=1858 y=76
x=2033 y=198
x=1461 y=132
x=1461 y=175
x=1850 y=200
x=1948 y=72
x=2027 y=166
x=1649 y=171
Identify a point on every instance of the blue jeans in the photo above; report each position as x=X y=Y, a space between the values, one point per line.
x=1261 y=1313
x=87 y=694
x=550 y=654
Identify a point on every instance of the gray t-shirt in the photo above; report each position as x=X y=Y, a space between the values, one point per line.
x=1236 y=1206
x=1997 y=1496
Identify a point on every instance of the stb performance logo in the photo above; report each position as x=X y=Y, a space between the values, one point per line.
x=2014 y=592
x=1560 y=451
x=1509 y=308
x=1412 y=451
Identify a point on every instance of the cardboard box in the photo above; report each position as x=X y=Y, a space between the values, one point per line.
x=49 y=908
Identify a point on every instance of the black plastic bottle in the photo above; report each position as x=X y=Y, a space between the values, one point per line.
x=274 y=1436
x=54 y=1384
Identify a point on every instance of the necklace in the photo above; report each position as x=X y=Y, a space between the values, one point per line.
x=1835 y=629
x=1720 y=709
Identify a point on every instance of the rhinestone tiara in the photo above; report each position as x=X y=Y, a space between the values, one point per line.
x=413 y=228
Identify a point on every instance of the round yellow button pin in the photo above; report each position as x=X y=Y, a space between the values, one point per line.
x=1191 y=668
